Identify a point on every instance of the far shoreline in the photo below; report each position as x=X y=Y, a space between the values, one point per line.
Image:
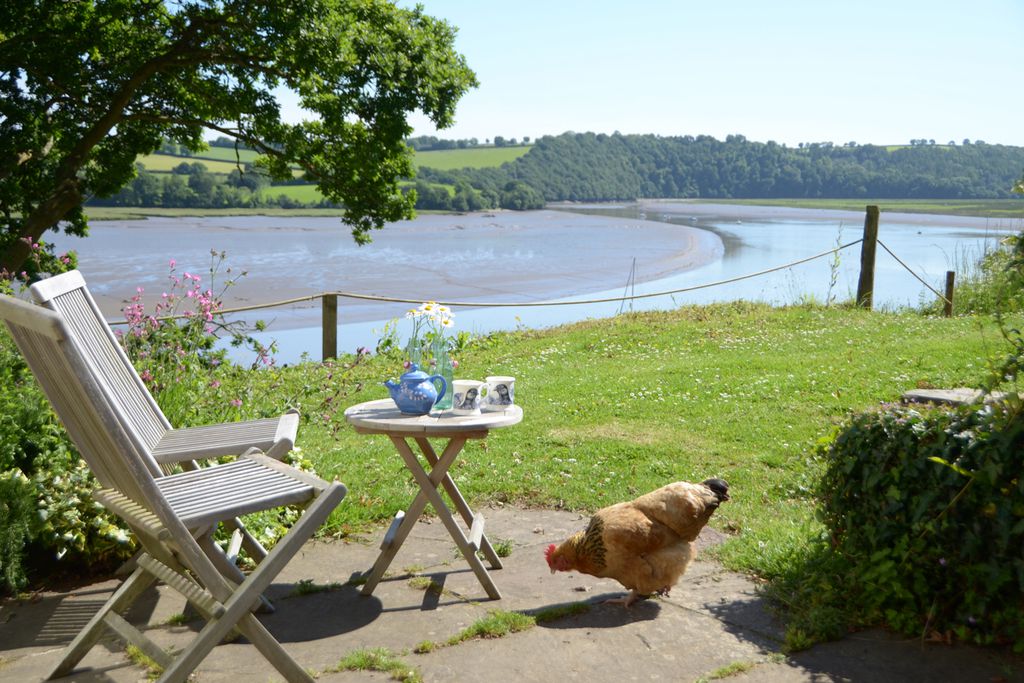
x=905 y=210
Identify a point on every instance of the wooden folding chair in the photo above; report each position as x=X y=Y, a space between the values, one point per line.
x=173 y=516
x=68 y=294
x=143 y=420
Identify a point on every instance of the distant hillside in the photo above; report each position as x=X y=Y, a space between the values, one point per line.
x=595 y=167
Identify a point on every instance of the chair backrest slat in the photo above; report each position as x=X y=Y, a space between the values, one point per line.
x=68 y=294
x=86 y=407
x=80 y=405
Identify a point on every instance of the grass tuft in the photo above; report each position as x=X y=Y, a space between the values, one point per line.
x=561 y=611
x=497 y=624
x=380 y=659
x=141 y=659
x=308 y=587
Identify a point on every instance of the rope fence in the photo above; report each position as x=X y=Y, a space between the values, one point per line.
x=864 y=294
x=516 y=304
x=909 y=270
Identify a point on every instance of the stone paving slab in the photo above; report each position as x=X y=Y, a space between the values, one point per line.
x=713 y=619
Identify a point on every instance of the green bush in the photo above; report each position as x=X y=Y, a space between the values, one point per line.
x=46 y=513
x=925 y=515
x=18 y=524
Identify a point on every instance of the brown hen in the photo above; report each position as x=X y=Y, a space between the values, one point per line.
x=645 y=544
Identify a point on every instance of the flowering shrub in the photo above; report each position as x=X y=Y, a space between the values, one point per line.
x=175 y=349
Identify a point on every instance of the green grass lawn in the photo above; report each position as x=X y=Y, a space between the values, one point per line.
x=617 y=407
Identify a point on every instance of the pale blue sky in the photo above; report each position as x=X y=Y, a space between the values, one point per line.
x=868 y=71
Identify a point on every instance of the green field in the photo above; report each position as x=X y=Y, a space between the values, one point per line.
x=991 y=208
x=164 y=163
x=246 y=156
x=479 y=157
x=300 y=193
x=223 y=159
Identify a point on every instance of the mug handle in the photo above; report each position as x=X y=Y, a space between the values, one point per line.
x=444 y=386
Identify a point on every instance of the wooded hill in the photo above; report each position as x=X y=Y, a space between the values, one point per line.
x=597 y=167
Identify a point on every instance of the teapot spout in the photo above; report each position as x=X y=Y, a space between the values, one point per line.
x=392 y=387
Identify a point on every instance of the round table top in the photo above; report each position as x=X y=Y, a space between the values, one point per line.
x=384 y=416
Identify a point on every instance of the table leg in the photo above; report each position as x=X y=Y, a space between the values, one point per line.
x=460 y=503
x=419 y=503
x=429 y=485
x=428 y=493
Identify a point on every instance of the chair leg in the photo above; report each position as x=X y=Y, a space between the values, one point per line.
x=125 y=595
x=256 y=551
x=237 y=607
x=230 y=570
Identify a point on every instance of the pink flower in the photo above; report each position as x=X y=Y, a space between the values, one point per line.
x=173 y=263
x=216 y=383
x=236 y=402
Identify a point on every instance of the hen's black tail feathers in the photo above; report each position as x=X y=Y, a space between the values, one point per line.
x=719 y=487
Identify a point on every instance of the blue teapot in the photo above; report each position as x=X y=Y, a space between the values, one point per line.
x=415 y=393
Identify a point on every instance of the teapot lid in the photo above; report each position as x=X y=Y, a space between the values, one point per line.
x=414 y=372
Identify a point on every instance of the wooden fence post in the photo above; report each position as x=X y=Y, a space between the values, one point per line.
x=947 y=305
x=866 y=283
x=330 y=322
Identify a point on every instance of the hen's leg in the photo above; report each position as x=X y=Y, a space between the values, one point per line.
x=628 y=600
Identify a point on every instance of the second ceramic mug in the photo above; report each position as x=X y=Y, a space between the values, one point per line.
x=499 y=392
x=467 y=396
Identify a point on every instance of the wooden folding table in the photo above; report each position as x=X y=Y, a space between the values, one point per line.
x=383 y=417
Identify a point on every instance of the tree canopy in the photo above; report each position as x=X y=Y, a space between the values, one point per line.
x=87 y=86
x=599 y=167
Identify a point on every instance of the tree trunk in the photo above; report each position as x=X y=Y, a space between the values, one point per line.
x=65 y=198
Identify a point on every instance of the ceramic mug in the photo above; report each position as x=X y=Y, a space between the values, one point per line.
x=467 y=396
x=499 y=392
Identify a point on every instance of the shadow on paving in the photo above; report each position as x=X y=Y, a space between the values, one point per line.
x=713 y=620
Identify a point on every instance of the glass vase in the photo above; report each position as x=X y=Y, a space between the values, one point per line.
x=443 y=366
x=414 y=352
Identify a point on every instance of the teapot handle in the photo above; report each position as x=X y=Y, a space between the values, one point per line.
x=444 y=386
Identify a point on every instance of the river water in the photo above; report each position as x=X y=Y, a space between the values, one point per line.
x=575 y=253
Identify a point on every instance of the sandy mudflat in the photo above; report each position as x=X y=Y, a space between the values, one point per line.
x=476 y=258
x=706 y=212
